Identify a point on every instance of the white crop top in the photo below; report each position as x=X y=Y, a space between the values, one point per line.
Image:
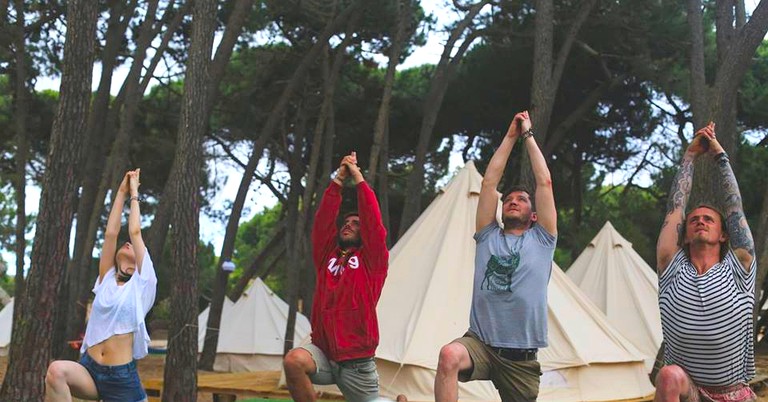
x=121 y=309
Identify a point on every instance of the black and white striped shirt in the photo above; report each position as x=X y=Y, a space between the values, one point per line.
x=707 y=320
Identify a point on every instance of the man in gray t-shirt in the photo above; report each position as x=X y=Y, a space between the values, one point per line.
x=508 y=319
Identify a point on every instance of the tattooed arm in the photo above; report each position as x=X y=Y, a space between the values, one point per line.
x=669 y=237
x=739 y=234
x=672 y=228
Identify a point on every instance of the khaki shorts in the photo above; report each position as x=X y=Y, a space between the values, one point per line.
x=357 y=379
x=515 y=380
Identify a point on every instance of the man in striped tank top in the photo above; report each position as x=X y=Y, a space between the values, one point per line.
x=706 y=264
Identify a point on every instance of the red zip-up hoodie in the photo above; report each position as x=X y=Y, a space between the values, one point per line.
x=344 y=323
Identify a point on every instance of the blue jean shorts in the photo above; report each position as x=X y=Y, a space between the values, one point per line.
x=115 y=383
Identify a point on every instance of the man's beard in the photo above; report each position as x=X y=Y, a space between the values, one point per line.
x=512 y=222
x=349 y=243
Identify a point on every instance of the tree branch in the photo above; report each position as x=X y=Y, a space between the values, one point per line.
x=248 y=273
x=590 y=101
x=52 y=15
x=565 y=49
x=742 y=48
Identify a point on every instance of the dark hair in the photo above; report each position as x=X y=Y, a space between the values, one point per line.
x=723 y=247
x=347 y=215
x=519 y=188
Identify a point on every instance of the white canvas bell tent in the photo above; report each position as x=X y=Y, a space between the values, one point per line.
x=620 y=283
x=426 y=300
x=6 y=324
x=252 y=331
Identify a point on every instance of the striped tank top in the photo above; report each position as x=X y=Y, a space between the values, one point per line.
x=707 y=320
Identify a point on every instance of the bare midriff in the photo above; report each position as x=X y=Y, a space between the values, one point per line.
x=116 y=350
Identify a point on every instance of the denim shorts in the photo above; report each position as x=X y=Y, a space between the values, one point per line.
x=115 y=383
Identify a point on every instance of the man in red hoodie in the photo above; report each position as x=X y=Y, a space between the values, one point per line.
x=351 y=264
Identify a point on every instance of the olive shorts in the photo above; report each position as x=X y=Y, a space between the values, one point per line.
x=515 y=380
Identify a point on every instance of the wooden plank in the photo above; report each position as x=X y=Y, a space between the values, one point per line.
x=260 y=384
x=642 y=399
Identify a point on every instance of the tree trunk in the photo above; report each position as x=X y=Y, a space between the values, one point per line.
x=731 y=72
x=75 y=299
x=741 y=14
x=238 y=17
x=403 y=16
x=724 y=27
x=548 y=72
x=578 y=193
x=292 y=279
x=293 y=236
x=223 y=54
x=3 y=13
x=22 y=154
x=543 y=61
x=180 y=377
x=383 y=184
x=698 y=85
x=438 y=85
x=30 y=349
x=330 y=136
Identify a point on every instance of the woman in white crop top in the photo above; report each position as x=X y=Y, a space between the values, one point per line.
x=116 y=335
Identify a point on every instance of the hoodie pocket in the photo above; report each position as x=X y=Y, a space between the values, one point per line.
x=352 y=332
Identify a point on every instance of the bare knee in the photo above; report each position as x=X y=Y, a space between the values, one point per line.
x=298 y=361
x=672 y=379
x=56 y=374
x=451 y=357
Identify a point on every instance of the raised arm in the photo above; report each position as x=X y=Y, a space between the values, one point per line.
x=739 y=234
x=134 y=219
x=545 y=197
x=671 y=230
x=372 y=231
x=489 y=196
x=112 y=231
x=324 y=228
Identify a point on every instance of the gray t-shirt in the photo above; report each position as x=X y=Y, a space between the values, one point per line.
x=509 y=297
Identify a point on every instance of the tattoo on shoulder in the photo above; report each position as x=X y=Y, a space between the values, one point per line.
x=740 y=235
